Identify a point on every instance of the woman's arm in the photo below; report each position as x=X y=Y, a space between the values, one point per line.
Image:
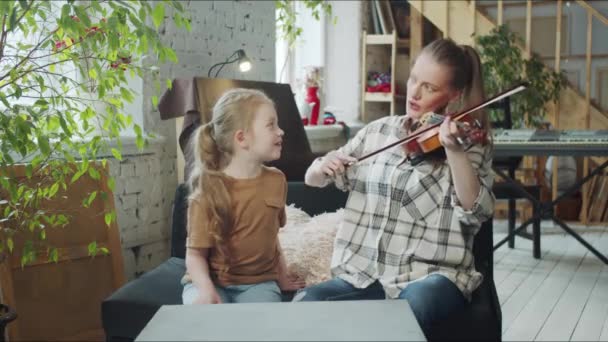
x=333 y=166
x=324 y=168
x=466 y=182
x=198 y=269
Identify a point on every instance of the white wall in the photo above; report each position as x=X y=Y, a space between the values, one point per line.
x=343 y=60
x=146 y=181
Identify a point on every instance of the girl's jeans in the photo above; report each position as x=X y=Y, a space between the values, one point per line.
x=263 y=292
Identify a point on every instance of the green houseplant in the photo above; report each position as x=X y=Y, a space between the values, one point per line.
x=63 y=85
x=504 y=66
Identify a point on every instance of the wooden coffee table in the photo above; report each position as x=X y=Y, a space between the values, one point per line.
x=365 y=320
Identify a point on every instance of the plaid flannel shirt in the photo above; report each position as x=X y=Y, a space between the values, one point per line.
x=404 y=222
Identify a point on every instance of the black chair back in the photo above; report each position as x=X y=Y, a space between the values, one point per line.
x=178 y=224
x=483 y=250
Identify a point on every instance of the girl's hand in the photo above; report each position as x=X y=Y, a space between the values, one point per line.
x=448 y=133
x=333 y=164
x=290 y=283
x=208 y=296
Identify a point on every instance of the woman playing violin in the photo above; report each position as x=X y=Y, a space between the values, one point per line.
x=408 y=228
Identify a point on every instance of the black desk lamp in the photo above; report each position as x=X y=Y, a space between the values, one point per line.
x=241 y=57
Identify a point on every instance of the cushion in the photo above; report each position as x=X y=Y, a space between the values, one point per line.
x=307 y=243
x=127 y=310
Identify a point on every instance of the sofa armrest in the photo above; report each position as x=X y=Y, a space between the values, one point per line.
x=313 y=200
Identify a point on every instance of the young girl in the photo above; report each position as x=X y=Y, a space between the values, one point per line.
x=408 y=228
x=237 y=206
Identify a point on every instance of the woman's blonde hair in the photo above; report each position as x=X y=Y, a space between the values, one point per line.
x=213 y=150
x=467 y=74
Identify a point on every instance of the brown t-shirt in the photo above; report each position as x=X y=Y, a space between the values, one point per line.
x=258 y=207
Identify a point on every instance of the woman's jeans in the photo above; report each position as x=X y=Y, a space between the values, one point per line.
x=267 y=291
x=432 y=299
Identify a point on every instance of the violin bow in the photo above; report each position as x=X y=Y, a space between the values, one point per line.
x=457 y=116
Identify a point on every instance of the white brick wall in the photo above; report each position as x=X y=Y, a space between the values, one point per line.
x=146 y=182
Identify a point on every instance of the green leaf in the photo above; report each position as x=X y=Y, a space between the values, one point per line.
x=111 y=183
x=116 y=154
x=93 y=74
x=54 y=189
x=82 y=15
x=43 y=143
x=171 y=55
x=12 y=20
x=158 y=15
x=92 y=247
x=169 y=84
x=94 y=173
x=54 y=255
x=10 y=244
x=155 y=101
x=109 y=218
x=91 y=198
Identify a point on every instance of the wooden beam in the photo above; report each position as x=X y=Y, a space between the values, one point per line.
x=558 y=43
x=393 y=71
x=474 y=14
x=528 y=28
x=416 y=32
x=500 y=12
x=584 y=213
x=593 y=11
x=513 y=4
x=446 y=33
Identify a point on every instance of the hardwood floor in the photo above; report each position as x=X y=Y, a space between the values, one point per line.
x=561 y=297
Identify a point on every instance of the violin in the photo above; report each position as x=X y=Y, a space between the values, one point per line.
x=471 y=132
x=426 y=139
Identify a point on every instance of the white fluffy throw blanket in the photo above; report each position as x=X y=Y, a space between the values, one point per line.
x=308 y=243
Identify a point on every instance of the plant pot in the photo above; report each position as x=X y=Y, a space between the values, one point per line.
x=7 y=315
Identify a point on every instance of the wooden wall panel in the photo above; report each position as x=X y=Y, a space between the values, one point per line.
x=62 y=301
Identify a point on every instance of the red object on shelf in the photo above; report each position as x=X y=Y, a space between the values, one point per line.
x=380 y=88
x=312 y=97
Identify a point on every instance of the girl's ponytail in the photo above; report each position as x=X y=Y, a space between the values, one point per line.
x=207 y=184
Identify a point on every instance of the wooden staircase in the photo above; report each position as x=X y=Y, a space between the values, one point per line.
x=461 y=20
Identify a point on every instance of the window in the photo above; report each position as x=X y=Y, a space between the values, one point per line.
x=309 y=50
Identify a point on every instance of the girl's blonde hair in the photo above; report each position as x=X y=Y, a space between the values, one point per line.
x=213 y=150
x=465 y=66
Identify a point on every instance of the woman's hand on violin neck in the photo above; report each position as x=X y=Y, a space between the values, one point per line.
x=448 y=136
x=334 y=163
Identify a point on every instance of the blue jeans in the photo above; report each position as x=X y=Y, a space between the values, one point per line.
x=267 y=291
x=432 y=299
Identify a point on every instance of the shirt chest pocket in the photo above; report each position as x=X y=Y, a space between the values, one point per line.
x=274 y=210
x=422 y=199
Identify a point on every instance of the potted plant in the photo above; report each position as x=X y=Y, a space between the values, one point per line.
x=504 y=66
x=64 y=69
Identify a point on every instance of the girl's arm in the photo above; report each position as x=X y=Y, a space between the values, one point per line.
x=286 y=281
x=198 y=269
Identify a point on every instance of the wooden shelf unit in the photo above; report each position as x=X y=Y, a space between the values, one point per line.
x=385 y=49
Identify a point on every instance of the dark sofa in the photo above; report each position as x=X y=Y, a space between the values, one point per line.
x=126 y=312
